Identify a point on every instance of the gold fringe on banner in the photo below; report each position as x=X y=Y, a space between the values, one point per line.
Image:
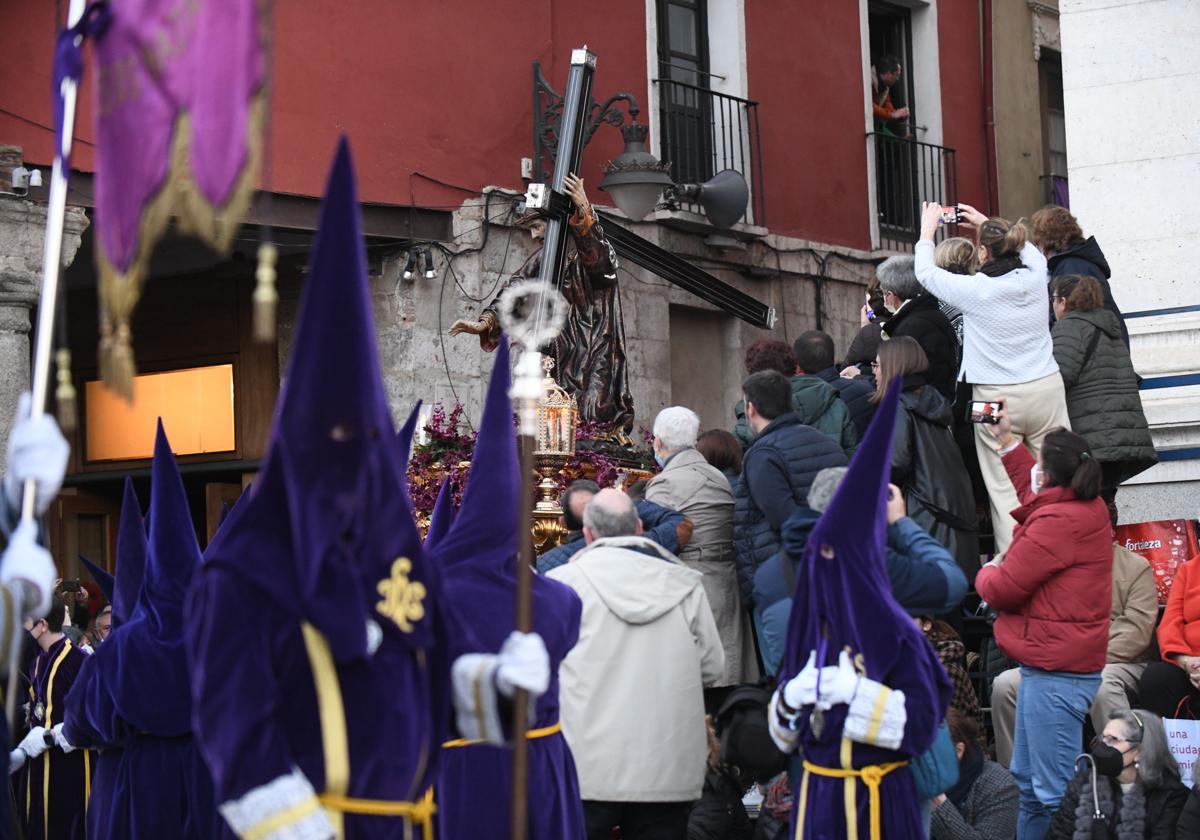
x=178 y=198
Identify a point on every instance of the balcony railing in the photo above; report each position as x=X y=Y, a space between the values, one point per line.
x=908 y=172
x=703 y=132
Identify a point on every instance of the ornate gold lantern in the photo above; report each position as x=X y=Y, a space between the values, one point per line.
x=558 y=418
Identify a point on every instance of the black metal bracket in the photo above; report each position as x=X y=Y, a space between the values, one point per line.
x=547 y=117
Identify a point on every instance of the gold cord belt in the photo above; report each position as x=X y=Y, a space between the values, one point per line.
x=530 y=734
x=871 y=775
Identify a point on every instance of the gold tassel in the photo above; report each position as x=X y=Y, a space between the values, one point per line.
x=265 y=296
x=104 y=351
x=64 y=394
x=122 y=365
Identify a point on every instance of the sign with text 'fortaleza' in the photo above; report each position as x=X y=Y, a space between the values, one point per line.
x=1167 y=544
x=1184 y=739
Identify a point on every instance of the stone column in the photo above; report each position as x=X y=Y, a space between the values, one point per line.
x=1133 y=148
x=22 y=235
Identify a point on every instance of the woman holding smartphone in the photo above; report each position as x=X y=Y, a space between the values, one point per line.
x=1052 y=591
x=1007 y=352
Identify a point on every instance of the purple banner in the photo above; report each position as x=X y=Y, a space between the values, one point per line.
x=178 y=104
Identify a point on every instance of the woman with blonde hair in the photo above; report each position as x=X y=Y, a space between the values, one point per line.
x=1007 y=352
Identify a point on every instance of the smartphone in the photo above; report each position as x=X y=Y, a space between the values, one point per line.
x=70 y=586
x=951 y=216
x=985 y=412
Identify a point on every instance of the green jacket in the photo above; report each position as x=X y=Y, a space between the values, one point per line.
x=818 y=404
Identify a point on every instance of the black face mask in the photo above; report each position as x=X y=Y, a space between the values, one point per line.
x=1110 y=761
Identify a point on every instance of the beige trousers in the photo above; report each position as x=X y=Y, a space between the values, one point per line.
x=1115 y=679
x=1035 y=408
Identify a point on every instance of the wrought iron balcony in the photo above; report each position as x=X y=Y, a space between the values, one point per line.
x=702 y=132
x=908 y=172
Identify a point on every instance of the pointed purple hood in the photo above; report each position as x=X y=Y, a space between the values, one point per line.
x=330 y=516
x=132 y=549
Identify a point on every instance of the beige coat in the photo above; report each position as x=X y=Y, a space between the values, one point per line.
x=698 y=490
x=631 y=691
x=1134 y=607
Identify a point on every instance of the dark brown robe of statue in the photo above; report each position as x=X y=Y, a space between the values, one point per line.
x=589 y=353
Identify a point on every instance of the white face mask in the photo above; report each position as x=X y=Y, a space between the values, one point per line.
x=1034 y=484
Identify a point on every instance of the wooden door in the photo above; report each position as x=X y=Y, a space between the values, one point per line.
x=84 y=523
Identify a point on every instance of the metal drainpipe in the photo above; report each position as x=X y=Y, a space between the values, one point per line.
x=989 y=110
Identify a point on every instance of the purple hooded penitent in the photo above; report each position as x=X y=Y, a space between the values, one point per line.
x=318 y=642
x=843 y=601
x=132 y=698
x=478 y=554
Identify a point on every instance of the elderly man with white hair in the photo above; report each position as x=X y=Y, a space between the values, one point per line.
x=698 y=490
x=632 y=706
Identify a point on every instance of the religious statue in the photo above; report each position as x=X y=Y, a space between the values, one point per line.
x=589 y=352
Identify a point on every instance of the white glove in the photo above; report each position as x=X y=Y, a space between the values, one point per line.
x=37 y=450
x=801 y=690
x=60 y=740
x=34 y=744
x=26 y=561
x=523 y=663
x=16 y=760
x=838 y=683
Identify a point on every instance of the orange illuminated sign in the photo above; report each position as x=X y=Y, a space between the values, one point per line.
x=195 y=404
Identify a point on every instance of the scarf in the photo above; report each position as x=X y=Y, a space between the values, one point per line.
x=1129 y=821
x=1002 y=266
x=969 y=770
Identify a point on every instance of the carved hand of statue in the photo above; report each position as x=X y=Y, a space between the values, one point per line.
x=573 y=187
x=462 y=325
x=485 y=326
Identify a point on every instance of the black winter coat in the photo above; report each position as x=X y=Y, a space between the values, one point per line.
x=856 y=394
x=719 y=813
x=1102 y=393
x=1163 y=807
x=777 y=471
x=928 y=468
x=1087 y=259
x=1189 y=819
x=922 y=319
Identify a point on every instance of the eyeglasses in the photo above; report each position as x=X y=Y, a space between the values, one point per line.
x=875 y=365
x=1112 y=740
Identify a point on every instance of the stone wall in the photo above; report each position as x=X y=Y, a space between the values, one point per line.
x=421 y=362
x=1134 y=156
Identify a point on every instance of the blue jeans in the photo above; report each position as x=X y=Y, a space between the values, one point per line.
x=1051 y=706
x=772 y=624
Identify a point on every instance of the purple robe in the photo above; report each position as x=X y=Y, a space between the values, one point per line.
x=320 y=643
x=133 y=698
x=474 y=786
x=477 y=552
x=53 y=789
x=843 y=599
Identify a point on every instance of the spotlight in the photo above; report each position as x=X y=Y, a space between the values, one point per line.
x=430 y=272
x=410 y=267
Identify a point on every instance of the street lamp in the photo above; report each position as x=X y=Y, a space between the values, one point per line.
x=636 y=180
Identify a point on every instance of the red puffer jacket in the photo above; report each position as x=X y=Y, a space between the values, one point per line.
x=1054 y=588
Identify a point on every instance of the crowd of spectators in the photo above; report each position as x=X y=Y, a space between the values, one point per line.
x=1010 y=519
